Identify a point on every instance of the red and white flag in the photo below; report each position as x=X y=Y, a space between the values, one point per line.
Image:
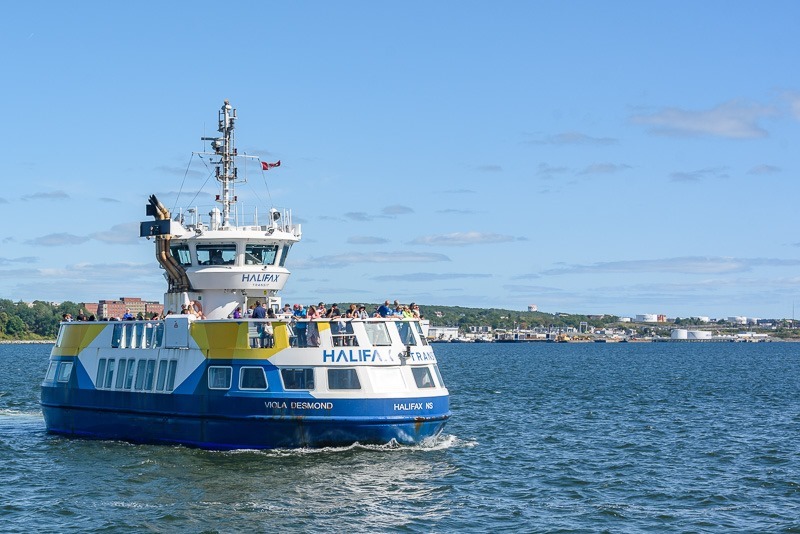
x=267 y=166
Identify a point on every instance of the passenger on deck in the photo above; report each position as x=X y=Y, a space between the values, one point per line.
x=384 y=310
x=259 y=312
x=361 y=313
x=198 y=309
x=127 y=316
x=300 y=325
x=237 y=313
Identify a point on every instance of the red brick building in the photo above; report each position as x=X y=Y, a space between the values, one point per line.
x=106 y=309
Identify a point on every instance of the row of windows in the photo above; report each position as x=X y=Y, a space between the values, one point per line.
x=302 y=378
x=137 y=335
x=139 y=375
x=150 y=334
x=226 y=254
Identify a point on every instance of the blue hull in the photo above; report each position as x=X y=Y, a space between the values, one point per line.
x=223 y=422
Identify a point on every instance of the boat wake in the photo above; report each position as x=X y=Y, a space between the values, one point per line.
x=9 y=412
x=439 y=443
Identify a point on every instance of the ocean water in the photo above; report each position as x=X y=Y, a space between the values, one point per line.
x=636 y=437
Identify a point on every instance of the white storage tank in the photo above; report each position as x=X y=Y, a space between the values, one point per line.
x=699 y=334
x=679 y=333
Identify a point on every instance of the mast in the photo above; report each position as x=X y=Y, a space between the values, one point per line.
x=225 y=168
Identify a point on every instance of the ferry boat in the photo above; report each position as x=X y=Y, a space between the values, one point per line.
x=218 y=382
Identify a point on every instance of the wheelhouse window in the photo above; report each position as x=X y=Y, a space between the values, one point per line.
x=260 y=254
x=284 y=253
x=298 y=378
x=252 y=378
x=423 y=377
x=343 y=379
x=223 y=254
x=378 y=333
x=219 y=377
x=181 y=254
x=64 y=370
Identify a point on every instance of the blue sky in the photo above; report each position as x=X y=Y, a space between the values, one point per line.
x=586 y=157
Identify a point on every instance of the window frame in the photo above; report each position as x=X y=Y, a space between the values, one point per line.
x=244 y=368
x=352 y=372
x=419 y=379
x=64 y=375
x=214 y=369
x=307 y=371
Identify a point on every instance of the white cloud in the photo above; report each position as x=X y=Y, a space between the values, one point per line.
x=462 y=238
x=764 y=169
x=342 y=260
x=427 y=277
x=57 y=239
x=734 y=120
x=367 y=240
x=574 y=138
x=52 y=195
x=685 y=265
x=396 y=210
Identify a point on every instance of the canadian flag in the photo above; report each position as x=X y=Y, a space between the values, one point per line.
x=267 y=166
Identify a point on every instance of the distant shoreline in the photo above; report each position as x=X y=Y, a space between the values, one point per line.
x=26 y=341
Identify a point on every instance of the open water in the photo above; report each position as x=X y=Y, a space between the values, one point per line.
x=656 y=437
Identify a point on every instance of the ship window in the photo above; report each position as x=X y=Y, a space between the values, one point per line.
x=121 y=373
x=140 y=368
x=158 y=334
x=116 y=337
x=148 y=377
x=173 y=366
x=129 y=374
x=216 y=254
x=378 y=333
x=260 y=254
x=343 y=379
x=438 y=375
x=181 y=254
x=343 y=335
x=64 y=370
x=418 y=328
x=284 y=253
x=109 y=373
x=298 y=378
x=130 y=336
x=219 y=377
x=51 y=372
x=406 y=333
x=252 y=378
x=162 y=375
x=101 y=373
x=386 y=379
x=423 y=377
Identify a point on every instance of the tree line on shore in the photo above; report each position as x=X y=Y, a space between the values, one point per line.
x=38 y=320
